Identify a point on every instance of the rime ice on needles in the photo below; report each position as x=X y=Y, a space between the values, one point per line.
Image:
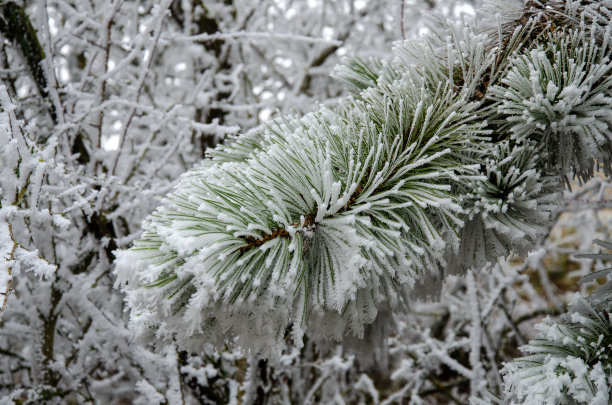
x=452 y=151
x=509 y=209
x=559 y=94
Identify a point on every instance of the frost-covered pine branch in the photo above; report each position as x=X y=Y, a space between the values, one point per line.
x=570 y=360
x=448 y=155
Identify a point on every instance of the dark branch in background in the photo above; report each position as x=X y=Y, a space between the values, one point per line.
x=215 y=391
x=318 y=61
x=50 y=377
x=8 y=78
x=263 y=382
x=78 y=147
x=402 y=17
x=17 y=27
x=205 y=24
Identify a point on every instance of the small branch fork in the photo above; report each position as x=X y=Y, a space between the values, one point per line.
x=309 y=224
x=253 y=242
